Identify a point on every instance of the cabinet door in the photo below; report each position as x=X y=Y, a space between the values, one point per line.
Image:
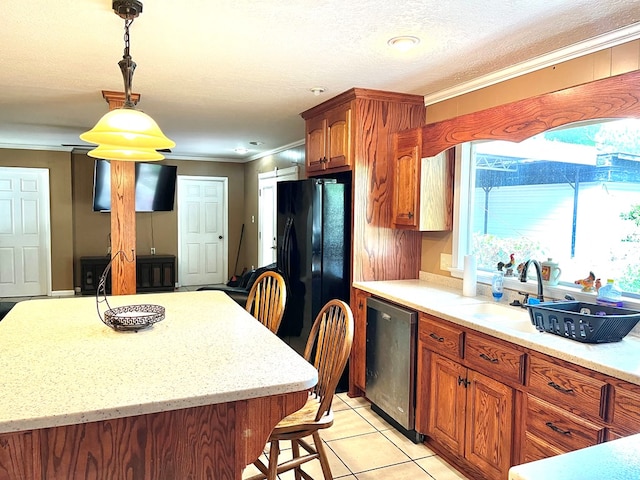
x=18 y=454
x=489 y=425
x=358 y=351
x=447 y=404
x=316 y=144
x=406 y=188
x=338 y=149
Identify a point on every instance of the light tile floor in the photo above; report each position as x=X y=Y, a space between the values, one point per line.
x=363 y=446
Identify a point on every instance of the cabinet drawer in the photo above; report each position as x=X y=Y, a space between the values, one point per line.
x=439 y=337
x=534 y=448
x=626 y=411
x=575 y=391
x=494 y=358
x=559 y=428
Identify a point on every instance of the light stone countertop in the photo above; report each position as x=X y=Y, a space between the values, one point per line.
x=60 y=365
x=617 y=460
x=618 y=359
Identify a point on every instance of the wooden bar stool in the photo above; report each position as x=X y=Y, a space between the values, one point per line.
x=327 y=349
x=267 y=299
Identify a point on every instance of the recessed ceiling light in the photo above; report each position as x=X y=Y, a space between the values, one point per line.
x=240 y=150
x=317 y=90
x=403 y=43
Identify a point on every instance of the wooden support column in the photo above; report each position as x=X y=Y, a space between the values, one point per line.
x=123 y=213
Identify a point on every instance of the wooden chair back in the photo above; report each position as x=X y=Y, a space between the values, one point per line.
x=267 y=299
x=328 y=349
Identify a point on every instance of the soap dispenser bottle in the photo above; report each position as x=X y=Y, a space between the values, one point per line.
x=497 y=285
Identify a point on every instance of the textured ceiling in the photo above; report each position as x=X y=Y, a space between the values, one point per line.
x=217 y=75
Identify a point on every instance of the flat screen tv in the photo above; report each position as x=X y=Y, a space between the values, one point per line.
x=155 y=187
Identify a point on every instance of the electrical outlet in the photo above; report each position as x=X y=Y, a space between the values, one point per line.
x=153 y=251
x=445 y=261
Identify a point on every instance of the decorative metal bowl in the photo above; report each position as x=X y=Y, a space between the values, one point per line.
x=133 y=317
x=128 y=318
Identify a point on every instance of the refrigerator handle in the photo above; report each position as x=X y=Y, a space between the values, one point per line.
x=286 y=248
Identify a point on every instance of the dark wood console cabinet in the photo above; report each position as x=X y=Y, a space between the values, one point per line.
x=154 y=273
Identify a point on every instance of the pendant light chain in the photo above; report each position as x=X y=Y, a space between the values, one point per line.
x=127 y=65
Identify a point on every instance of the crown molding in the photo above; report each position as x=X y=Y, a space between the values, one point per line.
x=595 y=44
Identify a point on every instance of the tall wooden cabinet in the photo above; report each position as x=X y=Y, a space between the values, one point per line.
x=353 y=132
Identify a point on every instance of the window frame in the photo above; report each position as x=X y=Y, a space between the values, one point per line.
x=611 y=97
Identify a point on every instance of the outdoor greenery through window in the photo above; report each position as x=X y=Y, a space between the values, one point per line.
x=572 y=195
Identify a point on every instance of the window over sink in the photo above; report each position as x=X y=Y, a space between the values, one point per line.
x=570 y=194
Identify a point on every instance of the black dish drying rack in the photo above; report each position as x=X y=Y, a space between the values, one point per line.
x=584 y=322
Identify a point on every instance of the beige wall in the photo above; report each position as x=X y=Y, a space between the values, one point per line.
x=285 y=159
x=78 y=231
x=91 y=229
x=59 y=166
x=606 y=63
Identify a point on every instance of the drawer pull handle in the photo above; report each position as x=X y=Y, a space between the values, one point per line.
x=554 y=385
x=557 y=429
x=436 y=337
x=488 y=358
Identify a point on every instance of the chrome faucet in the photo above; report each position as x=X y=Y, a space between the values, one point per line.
x=523 y=276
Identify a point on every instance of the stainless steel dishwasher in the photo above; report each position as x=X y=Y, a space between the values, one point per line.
x=391 y=364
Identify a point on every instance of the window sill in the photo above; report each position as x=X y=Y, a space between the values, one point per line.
x=513 y=286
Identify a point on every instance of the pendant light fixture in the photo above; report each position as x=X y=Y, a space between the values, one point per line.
x=126 y=133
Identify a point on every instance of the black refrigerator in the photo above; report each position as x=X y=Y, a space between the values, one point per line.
x=314 y=242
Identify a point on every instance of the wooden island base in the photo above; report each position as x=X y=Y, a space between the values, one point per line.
x=212 y=442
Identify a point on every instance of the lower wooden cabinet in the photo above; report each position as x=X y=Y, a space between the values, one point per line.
x=626 y=411
x=486 y=404
x=357 y=361
x=471 y=415
x=550 y=430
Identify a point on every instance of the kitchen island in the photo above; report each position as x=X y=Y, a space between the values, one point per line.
x=193 y=396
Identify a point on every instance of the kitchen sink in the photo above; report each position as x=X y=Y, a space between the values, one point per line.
x=511 y=318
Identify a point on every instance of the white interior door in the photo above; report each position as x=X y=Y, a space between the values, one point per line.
x=25 y=258
x=202 y=230
x=267 y=212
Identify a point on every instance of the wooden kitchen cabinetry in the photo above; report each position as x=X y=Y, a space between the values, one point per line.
x=329 y=140
x=357 y=362
x=564 y=410
x=422 y=187
x=626 y=411
x=469 y=413
x=486 y=404
x=358 y=126
x=472 y=416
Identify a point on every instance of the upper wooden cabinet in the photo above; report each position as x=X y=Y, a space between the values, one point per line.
x=328 y=140
x=422 y=187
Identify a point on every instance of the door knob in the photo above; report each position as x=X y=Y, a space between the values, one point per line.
x=220 y=237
